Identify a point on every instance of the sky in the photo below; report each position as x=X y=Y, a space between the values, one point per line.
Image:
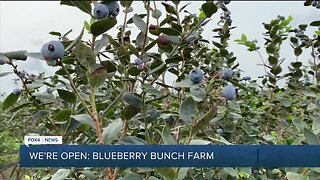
x=25 y=25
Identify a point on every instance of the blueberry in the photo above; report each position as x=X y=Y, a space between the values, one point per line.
x=196 y=75
x=21 y=74
x=247 y=78
x=169 y=120
x=314 y=3
x=229 y=92
x=227 y=73
x=17 y=91
x=114 y=8
x=100 y=11
x=2 y=62
x=318 y=6
x=220 y=131
x=52 y=50
x=226 y=2
x=137 y=62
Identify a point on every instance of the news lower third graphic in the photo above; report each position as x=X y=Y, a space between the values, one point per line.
x=49 y=152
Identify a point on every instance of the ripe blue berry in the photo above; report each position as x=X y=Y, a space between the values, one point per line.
x=52 y=50
x=2 y=62
x=247 y=78
x=318 y=6
x=226 y=2
x=229 y=92
x=314 y=3
x=137 y=62
x=220 y=131
x=196 y=75
x=100 y=11
x=114 y=8
x=227 y=73
x=16 y=91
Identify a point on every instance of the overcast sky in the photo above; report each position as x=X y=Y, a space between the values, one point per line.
x=24 y=25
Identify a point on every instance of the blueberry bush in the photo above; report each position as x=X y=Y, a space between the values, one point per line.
x=113 y=89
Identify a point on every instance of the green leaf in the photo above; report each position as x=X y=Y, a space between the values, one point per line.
x=167 y=137
x=137 y=20
x=10 y=100
x=170 y=31
x=311 y=138
x=17 y=55
x=315 y=23
x=40 y=114
x=67 y=96
x=209 y=8
x=84 y=6
x=299 y=123
x=140 y=39
x=45 y=97
x=5 y=74
x=84 y=119
x=61 y=174
x=111 y=132
x=129 y=112
x=132 y=176
x=133 y=100
x=132 y=140
x=199 y=142
x=3 y=57
x=110 y=66
x=297 y=51
x=182 y=173
x=102 y=26
x=231 y=171
x=88 y=174
x=198 y=94
x=316 y=126
x=296 y=176
x=187 y=110
x=126 y=3
x=54 y=33
x=168 y=173
x=63 y=115
x=85 y=55
x=113 y=104
x=234 y=105
x=98 y=76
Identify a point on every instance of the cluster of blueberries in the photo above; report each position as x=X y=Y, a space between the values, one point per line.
x=54 y=50
x=106 y=9
x=316 y=4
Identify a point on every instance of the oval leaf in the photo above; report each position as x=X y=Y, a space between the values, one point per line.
x=137 y=20
x=67 y=96
x=111 y=132
x=84 y=119
x=133 y=100
x=61 y=174
x=311 y=138
x=102 y=26
x=167 y=137
x=10 y=100
x=187 y=110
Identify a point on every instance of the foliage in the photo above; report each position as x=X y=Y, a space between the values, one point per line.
x=102 y=94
